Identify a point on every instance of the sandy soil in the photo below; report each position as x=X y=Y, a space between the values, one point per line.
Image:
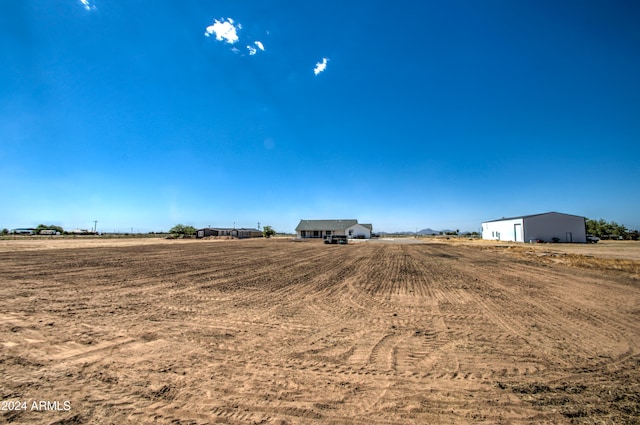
x=272 y=331
x=39 y=243
x=604 y=249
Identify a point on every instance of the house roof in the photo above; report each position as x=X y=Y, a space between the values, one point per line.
x=531 y=215
x=342 y=224
x=230 y=228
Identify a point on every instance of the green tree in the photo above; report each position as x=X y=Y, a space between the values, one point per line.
x=602 y=228
x=267 y=231
x=181 y=229
x=618 y=229
x=5 y=231
x=48 y=227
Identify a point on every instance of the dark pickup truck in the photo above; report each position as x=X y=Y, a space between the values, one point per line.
x=339 y=239
x=592 y=239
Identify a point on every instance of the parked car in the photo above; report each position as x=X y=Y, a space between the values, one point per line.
x=339 y=239
x=592 y=239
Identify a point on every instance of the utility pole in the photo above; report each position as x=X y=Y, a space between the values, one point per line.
x=95 y=226
x=258 y=225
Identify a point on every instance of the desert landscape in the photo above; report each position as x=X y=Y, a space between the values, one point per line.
x=272 y=331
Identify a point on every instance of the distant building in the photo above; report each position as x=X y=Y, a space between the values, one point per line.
x=322 y=228
x=24 y=231
x=80 y=232
x=545 y=227
x=241 y=233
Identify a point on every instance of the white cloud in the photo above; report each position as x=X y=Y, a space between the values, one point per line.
x=87 y=4
x=224 y=30
x=253 y=50
x=227 y=30
x=320 y=66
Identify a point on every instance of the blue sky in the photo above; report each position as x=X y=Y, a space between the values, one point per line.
x=426 y=114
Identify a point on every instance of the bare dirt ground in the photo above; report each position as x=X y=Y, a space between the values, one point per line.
x=272 y=331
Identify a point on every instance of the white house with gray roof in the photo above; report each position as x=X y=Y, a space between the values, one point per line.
x=320 y=229
x=545 y=227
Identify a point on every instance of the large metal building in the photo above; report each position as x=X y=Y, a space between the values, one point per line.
x=545 y=227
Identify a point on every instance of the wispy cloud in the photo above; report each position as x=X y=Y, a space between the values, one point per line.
x=253 y=50
x=320 y=66
x=87 y=4
x=224 y=30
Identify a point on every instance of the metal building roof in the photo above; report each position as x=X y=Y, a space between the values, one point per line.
x=531 y=215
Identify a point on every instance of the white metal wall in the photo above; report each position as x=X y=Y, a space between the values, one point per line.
x=503 y=230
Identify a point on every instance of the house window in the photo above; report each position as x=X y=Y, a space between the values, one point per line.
x=328 y=232
x=303 y=233
x=316 y=234
x=350 y=232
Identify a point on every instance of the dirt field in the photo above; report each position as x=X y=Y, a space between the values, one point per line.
x=279 y=332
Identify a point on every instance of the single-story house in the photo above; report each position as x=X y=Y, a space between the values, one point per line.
x=24 y=231
x=322 y=228
x=241 y=233
x=545 y=227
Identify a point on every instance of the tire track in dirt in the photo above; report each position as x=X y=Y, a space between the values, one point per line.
x=556 y=315
x=532 y=316
x=255 y=331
